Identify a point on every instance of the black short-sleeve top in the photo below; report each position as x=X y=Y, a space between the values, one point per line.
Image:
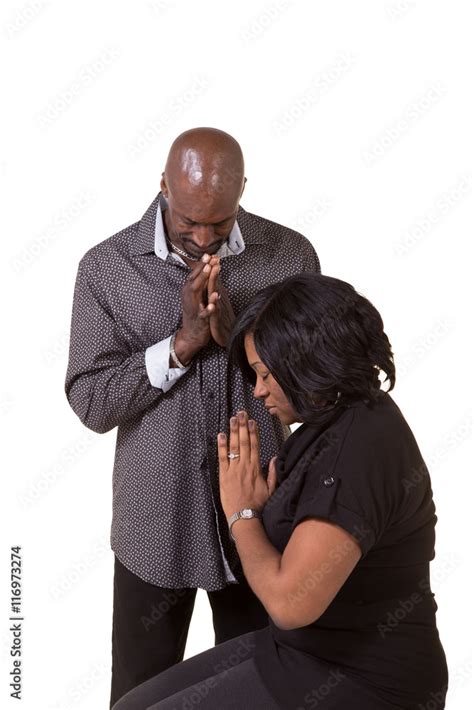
x=364 y=472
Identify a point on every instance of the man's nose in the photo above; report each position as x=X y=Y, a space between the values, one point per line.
x=203 y=235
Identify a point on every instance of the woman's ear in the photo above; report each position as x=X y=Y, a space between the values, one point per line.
x=319 y=401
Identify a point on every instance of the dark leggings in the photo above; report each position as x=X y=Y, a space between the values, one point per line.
x=224 y=677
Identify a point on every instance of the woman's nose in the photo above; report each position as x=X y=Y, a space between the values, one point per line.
x=260 y=390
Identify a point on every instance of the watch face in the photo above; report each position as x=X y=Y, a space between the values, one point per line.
x=247 y=513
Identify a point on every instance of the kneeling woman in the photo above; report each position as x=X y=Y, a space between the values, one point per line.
x=336 y=540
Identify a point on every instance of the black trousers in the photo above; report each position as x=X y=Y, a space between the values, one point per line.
x=150 y=625
x=222 y=678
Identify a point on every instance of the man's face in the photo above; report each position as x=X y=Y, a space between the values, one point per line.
x=197 y=221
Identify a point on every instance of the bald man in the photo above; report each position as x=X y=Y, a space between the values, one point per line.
x=152 y=312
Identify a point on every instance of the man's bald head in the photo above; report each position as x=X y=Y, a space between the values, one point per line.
x=203 y=182
x=206 y=161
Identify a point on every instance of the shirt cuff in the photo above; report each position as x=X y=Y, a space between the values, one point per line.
x=157 y=366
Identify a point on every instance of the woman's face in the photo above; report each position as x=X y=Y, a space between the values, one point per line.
x=267 y=388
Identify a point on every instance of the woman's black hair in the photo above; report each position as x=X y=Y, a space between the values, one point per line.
x=320 y=339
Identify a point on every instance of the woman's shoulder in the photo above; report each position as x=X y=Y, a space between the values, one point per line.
x=365 y=439
x=362 y=437
x=379 y=451
x=381 y=424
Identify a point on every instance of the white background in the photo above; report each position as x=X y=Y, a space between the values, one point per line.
x=354 y=121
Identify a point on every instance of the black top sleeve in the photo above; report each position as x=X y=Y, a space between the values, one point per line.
x=351 y=485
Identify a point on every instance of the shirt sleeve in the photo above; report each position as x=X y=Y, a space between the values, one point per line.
x=159 y=372
x=310 y=260
x=106 y=383
x=327 y=503
x=347 y=488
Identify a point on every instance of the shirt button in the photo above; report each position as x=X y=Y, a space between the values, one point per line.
x=329 y=481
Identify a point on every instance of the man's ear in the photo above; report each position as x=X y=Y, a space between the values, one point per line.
x=163 y=185
x=243 y=186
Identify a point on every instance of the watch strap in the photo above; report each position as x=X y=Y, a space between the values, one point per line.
x=245 y=514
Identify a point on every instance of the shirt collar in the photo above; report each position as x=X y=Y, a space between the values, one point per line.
x=233 y=245
x=142 y=233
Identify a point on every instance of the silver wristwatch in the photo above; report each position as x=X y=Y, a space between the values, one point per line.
x=174 y=357
x=246 y=513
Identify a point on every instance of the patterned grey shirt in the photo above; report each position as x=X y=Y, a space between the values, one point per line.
x=168 y=526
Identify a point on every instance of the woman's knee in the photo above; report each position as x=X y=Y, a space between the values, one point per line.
x=194 y=671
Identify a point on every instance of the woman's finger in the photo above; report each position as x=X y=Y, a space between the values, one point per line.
x=272 y=476
x=258 y=437
x=222 y=452
x=234 y=437
x=244 y=439
x=254 y=442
